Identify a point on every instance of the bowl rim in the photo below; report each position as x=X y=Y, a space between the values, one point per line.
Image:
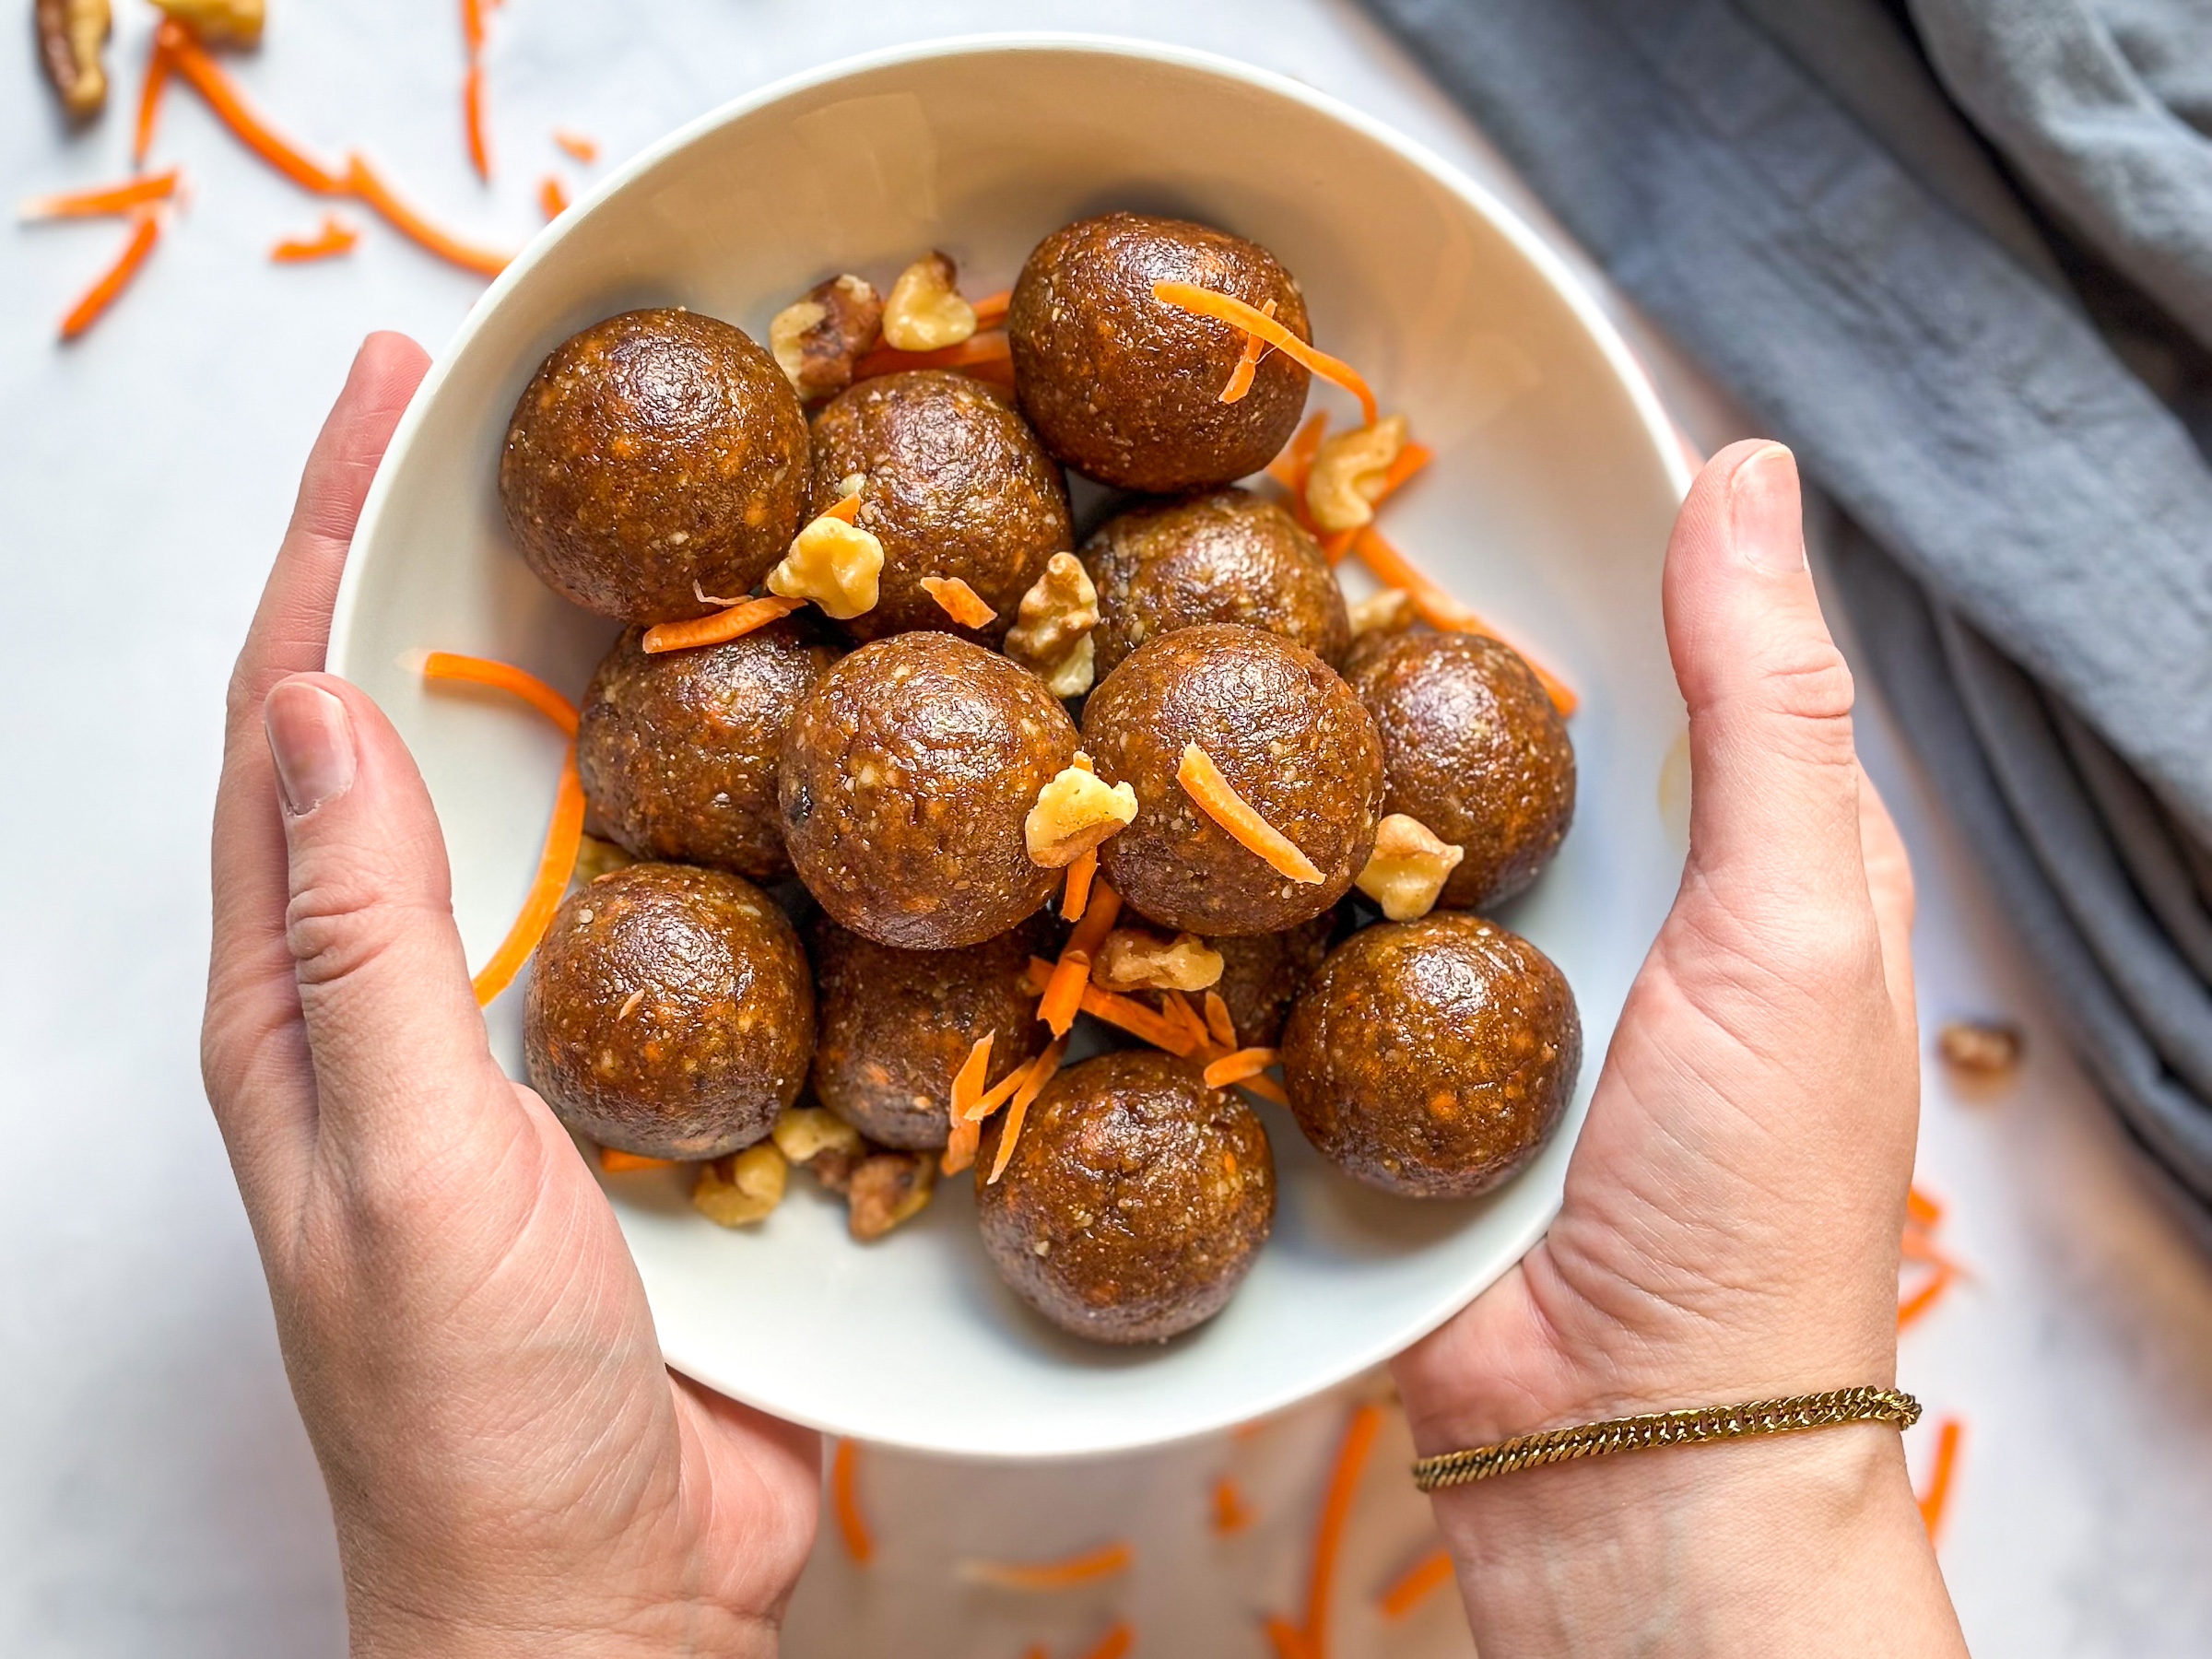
x=1627 y=369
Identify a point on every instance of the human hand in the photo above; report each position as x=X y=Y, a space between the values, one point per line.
x=1733 y=1209
x=512 y=1466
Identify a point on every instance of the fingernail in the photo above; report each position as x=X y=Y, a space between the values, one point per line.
x=311 y=742
x=1766 y=512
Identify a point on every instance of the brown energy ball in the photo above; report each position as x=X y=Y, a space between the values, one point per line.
x=654 y=456
x=1225 y=556
x=1127 y=388
x=678 y=751
x=1262 y=973
x=1134 y=1202
x=670 y=1012
x=906 y=776
x=1289 y=737
x=1473 y=747
x=897 y=1025
x=1432 y=1058
x=958 y=486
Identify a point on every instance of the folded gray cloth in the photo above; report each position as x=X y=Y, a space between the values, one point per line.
x=1987 y=362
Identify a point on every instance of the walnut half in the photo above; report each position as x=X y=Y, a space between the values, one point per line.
x=837 y=565
x=219 y=22
x=1408 y=867
x=1135 y=959
x=1387 y=610
x=742 y=1188
x=818 y=340
x=926 y=311
x=71 y=34
x=1052 y=633
x=889 y=1188
x=1347 y=473
x=1073 y=813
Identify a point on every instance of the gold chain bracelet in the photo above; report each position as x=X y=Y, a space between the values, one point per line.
x=1668 y=1429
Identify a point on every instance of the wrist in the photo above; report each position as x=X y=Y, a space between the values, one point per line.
x=383 y=1628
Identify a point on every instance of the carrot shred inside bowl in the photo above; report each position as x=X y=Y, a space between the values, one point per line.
x=1248 y=365
x=958 y=601
x=1440 y=610
x=1415 y=1584
x=1221 y=802
x=1225 y=308
x=1040 y=1073
x=1092 y=1565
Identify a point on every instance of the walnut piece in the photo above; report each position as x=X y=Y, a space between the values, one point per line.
x=1073 y=813
x=1051 y=634
x=595 y=858
x=742 y=1188
x=219 y=22
x=837 y=565
x=1979 y=1049
x=819 y=339
x=889 y=1188
x=1407 y=868
x=1134 y=959
x=926 y=311
x=1387 y=610
x=804 y=1132
x=71 y=34
x=1347 y=473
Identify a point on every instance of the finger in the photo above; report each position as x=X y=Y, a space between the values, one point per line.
x=1889 y=886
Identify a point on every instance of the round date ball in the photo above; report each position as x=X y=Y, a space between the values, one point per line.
x=1126 y=388
x=1432 y=1058
x=655 y=456
x=1134 y=1202
x=897 y=1025
x=1287 y=736
x=958 y=486
x=1225 y=556
x=1473 y=747
x=906 y=777
x=678 y=751
x=670 y=1012
x=1262 y=973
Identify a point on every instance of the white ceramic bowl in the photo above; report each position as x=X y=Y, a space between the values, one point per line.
x=1547 y=507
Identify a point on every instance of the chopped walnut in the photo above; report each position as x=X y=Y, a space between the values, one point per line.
x=926 y=311
x=819 y=339
x=1348 y=473
x=1387 y=610
x=595 y=858
x=219 y=22
x=741 y=1189
x=1051 y=635
x=1073 y=813
x=71 y=34
x=1133 y=958
x=889 y=1188
x=804 y=1132
x=1408 y=867
x=837 y=565
x=1979 y=1049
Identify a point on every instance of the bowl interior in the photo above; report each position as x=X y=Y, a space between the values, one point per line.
x=1547 y=507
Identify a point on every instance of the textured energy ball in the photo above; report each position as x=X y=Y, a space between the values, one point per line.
x=1126 y=388
x=670 y=1012
x=1432 y=1058
x=1473 y=747
x=897 y=1025
x=1262 y=973
x=906 y=777
x=956 y=485
x=678 y=751
x=656 y=456
x=1134 y=1202
x=1225 y=556
x=1289 y=737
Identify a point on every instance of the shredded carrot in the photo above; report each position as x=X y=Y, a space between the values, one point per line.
x=1288 y=1641
x=982 y=352
x=472 y=118
x=502 y=677
x=1064 y=992
x=552 y=198
x=616 y=1162
x=337 y=237
x=1290 y=467
x=1933 y=1500
x=1088 y=1568
x=1415 y=1584
x=1202 y=780
x=190 y=59
x=1236 y=1067
x=1117 y=1642
x=1000 y=1093
x=1039 y=976
x=1231 y=1514
x=575 y=145
x=1219 y=1025
x=108 y=287
x=958 y=601
x=472 y=27
x=1248 y=365
x=104 y=199
x=852 y=1526
x=363 y=181
x=845 y=509
x=555 y=865
x=722 y=627
x=1410 y=460
x=1181 y=1014
x=966 y=1088
x=1036 y=1650
x=1017 y=1111
x=1335 y=1509
x=158 y=66
x=1915 y=1306
x=1920 y=1209
x=1190 y=296
x=1440 y=609
x=1267 y=1088
x=1125 y=1013
x=1077 y=893
x=991 y=309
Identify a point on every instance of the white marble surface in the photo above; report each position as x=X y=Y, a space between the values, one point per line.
x=158 y=1494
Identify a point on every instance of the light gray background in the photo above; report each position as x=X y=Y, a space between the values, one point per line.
x=157 y=1495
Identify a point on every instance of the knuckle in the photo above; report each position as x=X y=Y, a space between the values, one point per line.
x=337 y=925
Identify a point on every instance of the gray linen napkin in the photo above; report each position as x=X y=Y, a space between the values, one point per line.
x=1986 y=361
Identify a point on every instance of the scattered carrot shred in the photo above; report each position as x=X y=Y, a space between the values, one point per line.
x=1920 y=1209
x=852 y=1526
x=1077 y=893
x=1937 y=1497
x=102 y=200
x=722 y=627
x=1207 y=302
x=967 y=1089
x=337 y=237
x=108 y=287
x=1288 y=1641
x=1230 y=1515
x=1215 y=797
x=363 y=181
x=576 y=145
x=190 y=60
x=1915 y=1307
x=1238 y=1066
x=1065 y=992
x=1219 y=1025
x=1335 y=1509
x=552 y=197
x=845 y=509
x=1017 y=1110
x=1117 y=1642
x=554 y=867
x=1090 y=1567
x=1177 y=1007
x=502 y=677
x=1411 y=459
x=1415 y=1584
x=958 y=601
x=617 y=1162
x=1290 y=467
x=1000 y=1093
x=159 y=65
x=1440 y=609
x=991 y=309
x=472 y=118
x=472 y=27
x=1125 y=1013
x=985 y=353
x=1248 y=365
x=1267 y=1088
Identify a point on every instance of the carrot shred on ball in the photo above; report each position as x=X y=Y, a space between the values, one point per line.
x=102 y=200
x=616 y=1162
x=957 y=600
x=1248 y=365
x=1236 y=1067
x=982 y=353
x=1064 y=992
x=845 y=509
x=1219 y=1025
x=1090 y=1567
x=1335 y=1509
x=1230 y=1513
x=363 y=181
x=576 y=145
x=1205 y=785
x=1076 y=894
x=1226 y=308
x=1415 y=1584
x=190 y=60
x=337 y=237
x=1290 y=467
x=1937 y=1497
x=108 y=287
x=722 y=627
x=1410 y=460
x=554 y=866
x=1440 y=609
x=159 y=66
x=1039 y=1074
x=967 y=1089
x=552 y=197
x=852 y=1526
x=991 y=309
x=502 y=677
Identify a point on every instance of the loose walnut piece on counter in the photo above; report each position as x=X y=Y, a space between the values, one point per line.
x=837 y=565
x=1408 y=867
x=1073 y=813
x=1132 y=958
x=219 y=22
x=1348 y=473
x=926 y=311
x=816 y=340
x=71 y=33
x=1052 y=636
x=742 y=1188
x=804 y=1132
x=1387 y=610
x=889 y=1188
x=1984 y=1051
